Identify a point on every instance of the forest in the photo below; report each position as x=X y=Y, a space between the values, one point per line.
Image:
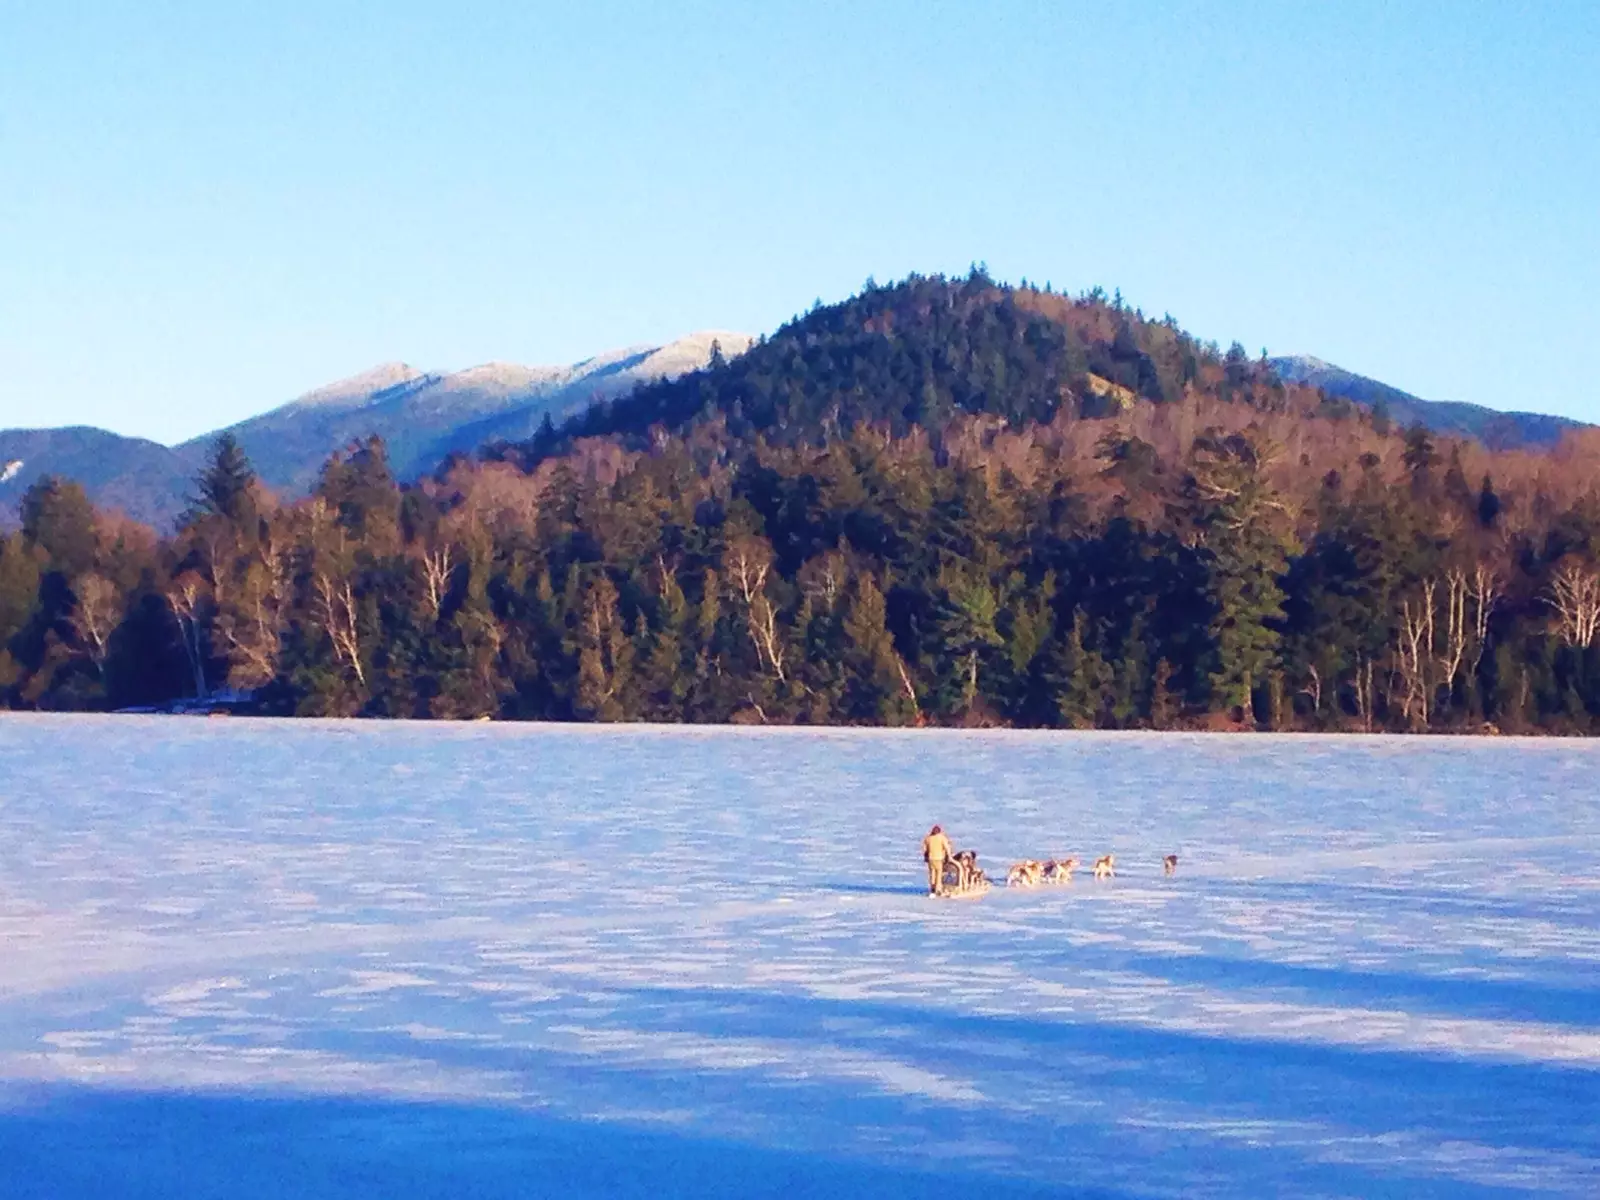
x=943 y=502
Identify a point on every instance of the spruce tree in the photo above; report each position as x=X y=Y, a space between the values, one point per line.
x=226 y=487
x=58 y=518
x=1236 y=513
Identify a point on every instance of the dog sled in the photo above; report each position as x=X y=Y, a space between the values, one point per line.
x=963 y=877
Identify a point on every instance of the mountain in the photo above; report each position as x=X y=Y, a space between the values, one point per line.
x=424 y=416
x=1499 y=430
x=923 y=352
x=145 y=480
x=847 y=362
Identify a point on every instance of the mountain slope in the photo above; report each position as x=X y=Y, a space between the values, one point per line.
x=1500 y=430
x=423 y=417
x=922 y=352
x=145 y=480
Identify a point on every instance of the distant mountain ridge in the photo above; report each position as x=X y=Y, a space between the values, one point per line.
x=1496 y=429
x=143 y=479
x=423 y=416
x=426 y=416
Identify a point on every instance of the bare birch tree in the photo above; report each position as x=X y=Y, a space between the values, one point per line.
x=1575 y=597
x=1414 y=653
x=1457 y=631
x=438 y=565
x=747 y=563
x=187 y=598
x=250 y=625
x=94 y=617
x=334 y=608
x=1485 y=589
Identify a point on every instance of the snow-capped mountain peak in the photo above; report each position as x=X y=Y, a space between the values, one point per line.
x=358 y=390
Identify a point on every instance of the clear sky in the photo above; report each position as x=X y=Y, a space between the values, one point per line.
x=207 y=209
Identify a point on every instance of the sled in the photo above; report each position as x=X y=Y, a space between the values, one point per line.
x=968 y=893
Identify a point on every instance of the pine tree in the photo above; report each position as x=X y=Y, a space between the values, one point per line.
x=1086 y=679
x=878 y=685
x=58 y=518
x=226 y=488
x=1237 y=514
x=1488 y=504
x=967 y=612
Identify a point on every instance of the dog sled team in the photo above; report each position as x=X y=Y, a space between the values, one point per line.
x=953 y=872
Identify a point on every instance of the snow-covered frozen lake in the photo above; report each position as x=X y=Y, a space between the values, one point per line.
x=312 y=959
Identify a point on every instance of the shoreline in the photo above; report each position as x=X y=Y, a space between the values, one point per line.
x=729 y=728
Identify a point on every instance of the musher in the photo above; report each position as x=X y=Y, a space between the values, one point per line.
x=936 y=851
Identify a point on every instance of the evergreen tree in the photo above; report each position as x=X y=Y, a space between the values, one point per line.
x=226 y=488
x=1084 y=677
x=1488 y=504
x=879 y=687
x=1235 y=510
x=58 y=518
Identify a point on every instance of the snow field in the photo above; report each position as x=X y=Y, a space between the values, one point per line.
x=1376 y=971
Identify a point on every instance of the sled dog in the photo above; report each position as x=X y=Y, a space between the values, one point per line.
x=1059 y=870
x=1027 y=873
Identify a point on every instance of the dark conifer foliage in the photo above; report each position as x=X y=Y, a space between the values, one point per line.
x=227 y=487
x=939 y=502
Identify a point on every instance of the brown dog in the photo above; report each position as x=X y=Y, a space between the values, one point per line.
x=1027 y=873
x=1059 y=870
x=1169 y=864
x=1105 y=866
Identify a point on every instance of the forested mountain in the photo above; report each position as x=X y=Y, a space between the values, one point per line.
x=1499 y=430
x=142 y=479
x=940 y=502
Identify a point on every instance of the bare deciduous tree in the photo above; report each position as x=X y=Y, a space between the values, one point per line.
x=1314 y=688
x=1485 y=591
x=1363 y=692
x=335 y=611
x=1575 y=596
x=747 y=563
x=824 y=579
x=250 y=625
x=187 y=597
x=1414 y=653
x=911 y=692
x=95 y=616
x=1456 y=632
x=438 y=564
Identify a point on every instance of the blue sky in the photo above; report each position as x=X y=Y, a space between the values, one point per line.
x=204 y=212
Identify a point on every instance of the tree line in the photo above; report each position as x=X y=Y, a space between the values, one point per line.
x=943 y=502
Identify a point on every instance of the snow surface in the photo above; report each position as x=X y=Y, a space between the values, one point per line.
x=245 y=958
x=356 y=391
x=491 y=387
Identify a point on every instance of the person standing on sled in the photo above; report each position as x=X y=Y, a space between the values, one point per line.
x=936 y=851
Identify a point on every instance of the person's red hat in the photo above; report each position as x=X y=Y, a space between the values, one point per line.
x=936 y=829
